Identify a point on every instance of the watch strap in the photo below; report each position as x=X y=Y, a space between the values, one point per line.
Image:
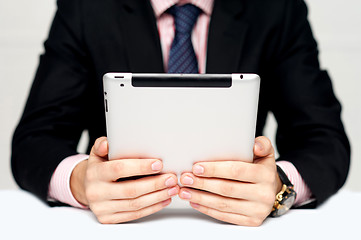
x=283 y=177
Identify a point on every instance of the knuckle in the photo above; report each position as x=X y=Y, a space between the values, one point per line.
x=227 y=189
x=254 y=222
x=200 y=199
x=92 y=194
x=104 y=219
x=158 y=183
x=256 y=170
x=97 y=209
x=210 y=170
x=267 y=196
x=200 y=182
x=262 y=212
x=134 y=205
x=269 y=174
x=237 y=170
x=222 y=206
x=270 y=198
x=130 y=192
x=265 y=173
x=117 y=167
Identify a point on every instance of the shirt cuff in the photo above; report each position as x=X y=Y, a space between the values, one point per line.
x=304 y=194
x=59 y=187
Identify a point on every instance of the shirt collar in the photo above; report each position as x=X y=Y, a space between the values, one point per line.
x=160 y=6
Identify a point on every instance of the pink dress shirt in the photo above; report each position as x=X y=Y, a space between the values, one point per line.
x=59 y=188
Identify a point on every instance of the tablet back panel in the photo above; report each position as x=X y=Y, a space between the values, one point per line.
x=181 y=118
x=181 y=125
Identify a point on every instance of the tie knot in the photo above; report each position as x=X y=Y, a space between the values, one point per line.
x=185 y=17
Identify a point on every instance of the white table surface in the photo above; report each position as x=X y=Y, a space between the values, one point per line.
x=23 y=216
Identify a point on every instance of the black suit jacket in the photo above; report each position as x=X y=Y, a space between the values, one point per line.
x=271 y=38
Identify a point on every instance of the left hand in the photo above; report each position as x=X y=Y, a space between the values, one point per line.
x=234 y=191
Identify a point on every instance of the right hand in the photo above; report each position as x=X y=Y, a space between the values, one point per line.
x=94 y=183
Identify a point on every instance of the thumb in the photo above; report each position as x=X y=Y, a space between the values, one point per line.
x=262 y=147
x=100 y=147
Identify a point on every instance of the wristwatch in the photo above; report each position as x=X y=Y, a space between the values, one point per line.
x=285 y=198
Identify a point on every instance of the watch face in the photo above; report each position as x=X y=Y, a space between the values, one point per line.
x=286 y=203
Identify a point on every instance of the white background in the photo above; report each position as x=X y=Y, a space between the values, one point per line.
x=24 y=26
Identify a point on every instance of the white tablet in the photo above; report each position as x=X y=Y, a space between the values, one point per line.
x=181 y=118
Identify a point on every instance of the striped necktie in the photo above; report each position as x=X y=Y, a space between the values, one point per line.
x=182 y=58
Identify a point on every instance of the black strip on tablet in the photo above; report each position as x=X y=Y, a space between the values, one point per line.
x=182 y=80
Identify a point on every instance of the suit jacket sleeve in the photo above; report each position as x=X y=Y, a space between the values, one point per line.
x=310 y=133
x=56 y=110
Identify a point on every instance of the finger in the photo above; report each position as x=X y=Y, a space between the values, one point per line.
x=262 y=147
x=225 y=204
x=232 y=170
x=233 y=218
x=126 y=205
x=123 y=168
x=134 y=188
x=100 y=148
x=133 y=215
x=228 y=188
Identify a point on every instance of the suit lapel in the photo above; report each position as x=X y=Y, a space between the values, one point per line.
x=226 y=37
x=225 y=40
x=141 y=36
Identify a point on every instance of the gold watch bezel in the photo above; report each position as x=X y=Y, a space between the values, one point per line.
x=280 y=198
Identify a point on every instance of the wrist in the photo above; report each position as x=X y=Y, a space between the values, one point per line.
x=304 y=194
x=77 y=180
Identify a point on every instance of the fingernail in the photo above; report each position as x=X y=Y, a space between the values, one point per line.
x=173 y=191
x=188 y=180
x=170 y=182
x=258 y=146
x=166 y=202
x=198 y=169
x=156 y=166
x=99 y=143
x=186 y=195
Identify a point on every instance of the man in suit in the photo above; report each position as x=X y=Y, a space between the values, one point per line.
x=270 y=38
